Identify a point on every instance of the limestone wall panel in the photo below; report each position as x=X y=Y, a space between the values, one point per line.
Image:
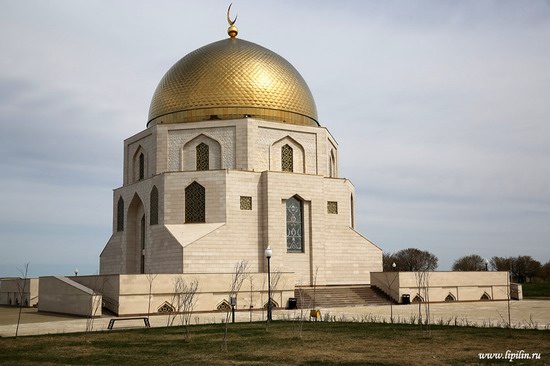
x=144 y=142
x=464 y=286
x=267 y=137
x=179 y=138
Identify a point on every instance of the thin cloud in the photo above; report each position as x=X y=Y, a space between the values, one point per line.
x=440 y=109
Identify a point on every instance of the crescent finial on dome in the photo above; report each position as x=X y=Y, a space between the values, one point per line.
x=232 y=30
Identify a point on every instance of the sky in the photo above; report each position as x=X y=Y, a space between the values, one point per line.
x=441 y=110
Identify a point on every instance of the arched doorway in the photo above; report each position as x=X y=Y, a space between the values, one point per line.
x=135 y=237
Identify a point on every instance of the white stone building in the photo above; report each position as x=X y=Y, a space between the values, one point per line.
x=233 y=159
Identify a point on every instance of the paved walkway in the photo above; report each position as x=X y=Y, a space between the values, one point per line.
x=524 y=314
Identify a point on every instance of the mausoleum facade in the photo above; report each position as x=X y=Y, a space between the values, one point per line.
x=233 y=159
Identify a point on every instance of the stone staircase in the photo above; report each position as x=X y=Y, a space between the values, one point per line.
x=340 y=296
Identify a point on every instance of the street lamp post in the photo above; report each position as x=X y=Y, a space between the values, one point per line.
x=268 y=254
x=76 y=271
x=393 y=265
x=486 y=264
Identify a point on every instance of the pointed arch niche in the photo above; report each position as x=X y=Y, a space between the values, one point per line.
x=139 y=165
x=201 y=153
x=154 y=206
x=136 y=238
x=332 y=172
x=279 y=159
x=120 y=215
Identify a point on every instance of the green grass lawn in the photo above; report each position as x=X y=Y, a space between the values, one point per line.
x=250 y=344
x=536 y=290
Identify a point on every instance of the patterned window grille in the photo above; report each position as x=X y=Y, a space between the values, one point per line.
x=418 y=299
x=246 y=203
x=287 y=162
x=141 y=166
x=485 y=296
x=120 y=215
x=223 y=306
x=203 y=152
x=332 y=207
x=154 y=206
x=450 y=297
x=195 y=203
x=166 y=308
x=274 y=304
x=294 y=225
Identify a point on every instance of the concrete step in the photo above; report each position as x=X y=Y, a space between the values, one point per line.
x=339 y=296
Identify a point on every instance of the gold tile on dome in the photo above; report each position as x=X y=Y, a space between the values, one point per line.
x=236 y=75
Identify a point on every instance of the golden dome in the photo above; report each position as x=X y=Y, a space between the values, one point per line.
x=232 y=78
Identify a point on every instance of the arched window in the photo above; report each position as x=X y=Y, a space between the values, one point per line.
x=141 y=166
x=203 y=154
x=352 y=212
x=195 y=203
x=287 y=163
x=332 y=164
x=294 y=225
x=120 y=215
x=154 y=206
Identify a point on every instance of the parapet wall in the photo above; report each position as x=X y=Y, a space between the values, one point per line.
x=59 y=294
x=141 y=294
x=18 y=291
x=443 y=286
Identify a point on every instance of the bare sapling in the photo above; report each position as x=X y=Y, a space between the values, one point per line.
x=186 y=303
x=302 y=316
x=251 y=296
x=98 y=288
x=422 y=281
x=21 y=289
x=150 y=279
x=240 y=273
x=389 y=286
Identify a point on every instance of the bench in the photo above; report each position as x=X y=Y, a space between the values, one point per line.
x=144 y=318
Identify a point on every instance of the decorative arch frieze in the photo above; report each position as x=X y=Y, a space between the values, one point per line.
x=166 y=307
x=274 y=304
x=223 y=306
x=450 y=297
x=178 y=139
x=485 y=296
x=418 y=299
x=287 y=155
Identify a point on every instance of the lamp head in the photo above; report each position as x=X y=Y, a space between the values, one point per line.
x=268 y=252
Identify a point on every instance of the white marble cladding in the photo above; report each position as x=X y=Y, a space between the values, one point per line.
x=177 y=139
x=269 y=136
